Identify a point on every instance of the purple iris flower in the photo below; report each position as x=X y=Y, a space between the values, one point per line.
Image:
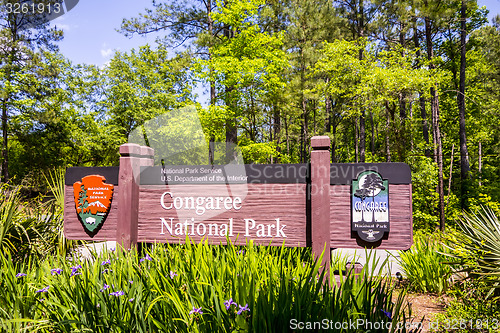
x=242 y=309
x=172 y=274
x=387 y=313
x=105 y=262
x=195 y=310
x=43 y=290
x=117 y=293
x=104 y=287
x=56 y=271
x=20 y=275
x=147 y=257
x=228 y=303
x=74 y=270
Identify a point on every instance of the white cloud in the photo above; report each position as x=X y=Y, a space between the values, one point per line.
x=105 y=65
x=106 y=53
x=64 y=27
x=59 y=23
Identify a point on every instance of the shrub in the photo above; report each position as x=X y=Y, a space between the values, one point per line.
x=478 y=248
x=22 y=230
x=425 y=265
x=469 y=310
x=474 y=307
x=56 y=240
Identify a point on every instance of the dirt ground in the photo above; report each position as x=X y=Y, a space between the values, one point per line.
x=426 y=306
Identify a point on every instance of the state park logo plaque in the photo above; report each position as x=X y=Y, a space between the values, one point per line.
x=93 y=202
x=370 y=206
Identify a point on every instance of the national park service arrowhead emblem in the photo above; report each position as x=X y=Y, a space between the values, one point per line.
x=93 y=201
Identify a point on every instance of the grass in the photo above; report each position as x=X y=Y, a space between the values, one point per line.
x=189 y=288
x=425 y=265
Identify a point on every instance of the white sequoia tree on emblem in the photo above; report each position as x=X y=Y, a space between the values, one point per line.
x=374 y=184
x=369 y=185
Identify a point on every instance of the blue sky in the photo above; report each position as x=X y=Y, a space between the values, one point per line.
x=90 y=34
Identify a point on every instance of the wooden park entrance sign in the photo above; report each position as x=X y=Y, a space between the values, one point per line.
x=320 y=204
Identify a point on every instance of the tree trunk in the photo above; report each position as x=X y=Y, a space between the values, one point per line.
x=362 y=137
x=402 y=107
x=231 y=128
x=5 y=155
x=356 y=148
x=287 y=137
x=438 y=149
x=480 y=162
x=334 y=123
x=5 y=119
x=401 y=133
x=304 y=123
x=402 y=97
x=328 y=110
x=347 y=155
x=231 y=136
x=330 y=126
x=211 y=146
x=423 y=112
x=372 y=145
x=430 y=55
x=387 y=141
x=304 y=127
x=425 y=124
x=464 y=155
x=451 y=174
x=277 y=127
x=314 y=118
x=410 y=108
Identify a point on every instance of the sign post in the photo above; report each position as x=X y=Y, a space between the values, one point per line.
x=320 y=198
x=128 y=200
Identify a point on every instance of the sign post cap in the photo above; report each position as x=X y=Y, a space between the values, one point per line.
x=128 y=149
x=147 y=151
x=320 y=142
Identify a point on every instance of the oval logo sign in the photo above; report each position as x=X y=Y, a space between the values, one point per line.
x=370 y=206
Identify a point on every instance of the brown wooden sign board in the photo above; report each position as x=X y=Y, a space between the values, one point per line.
x=319 y=204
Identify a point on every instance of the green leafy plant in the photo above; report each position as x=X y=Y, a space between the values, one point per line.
x=19 y=231
x=425 y=266
x=192 y=288
x=424 y=196
x=54 y=208
x=469 y=310
x=478 y=248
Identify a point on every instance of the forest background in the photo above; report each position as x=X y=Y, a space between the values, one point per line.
x=388 y=81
